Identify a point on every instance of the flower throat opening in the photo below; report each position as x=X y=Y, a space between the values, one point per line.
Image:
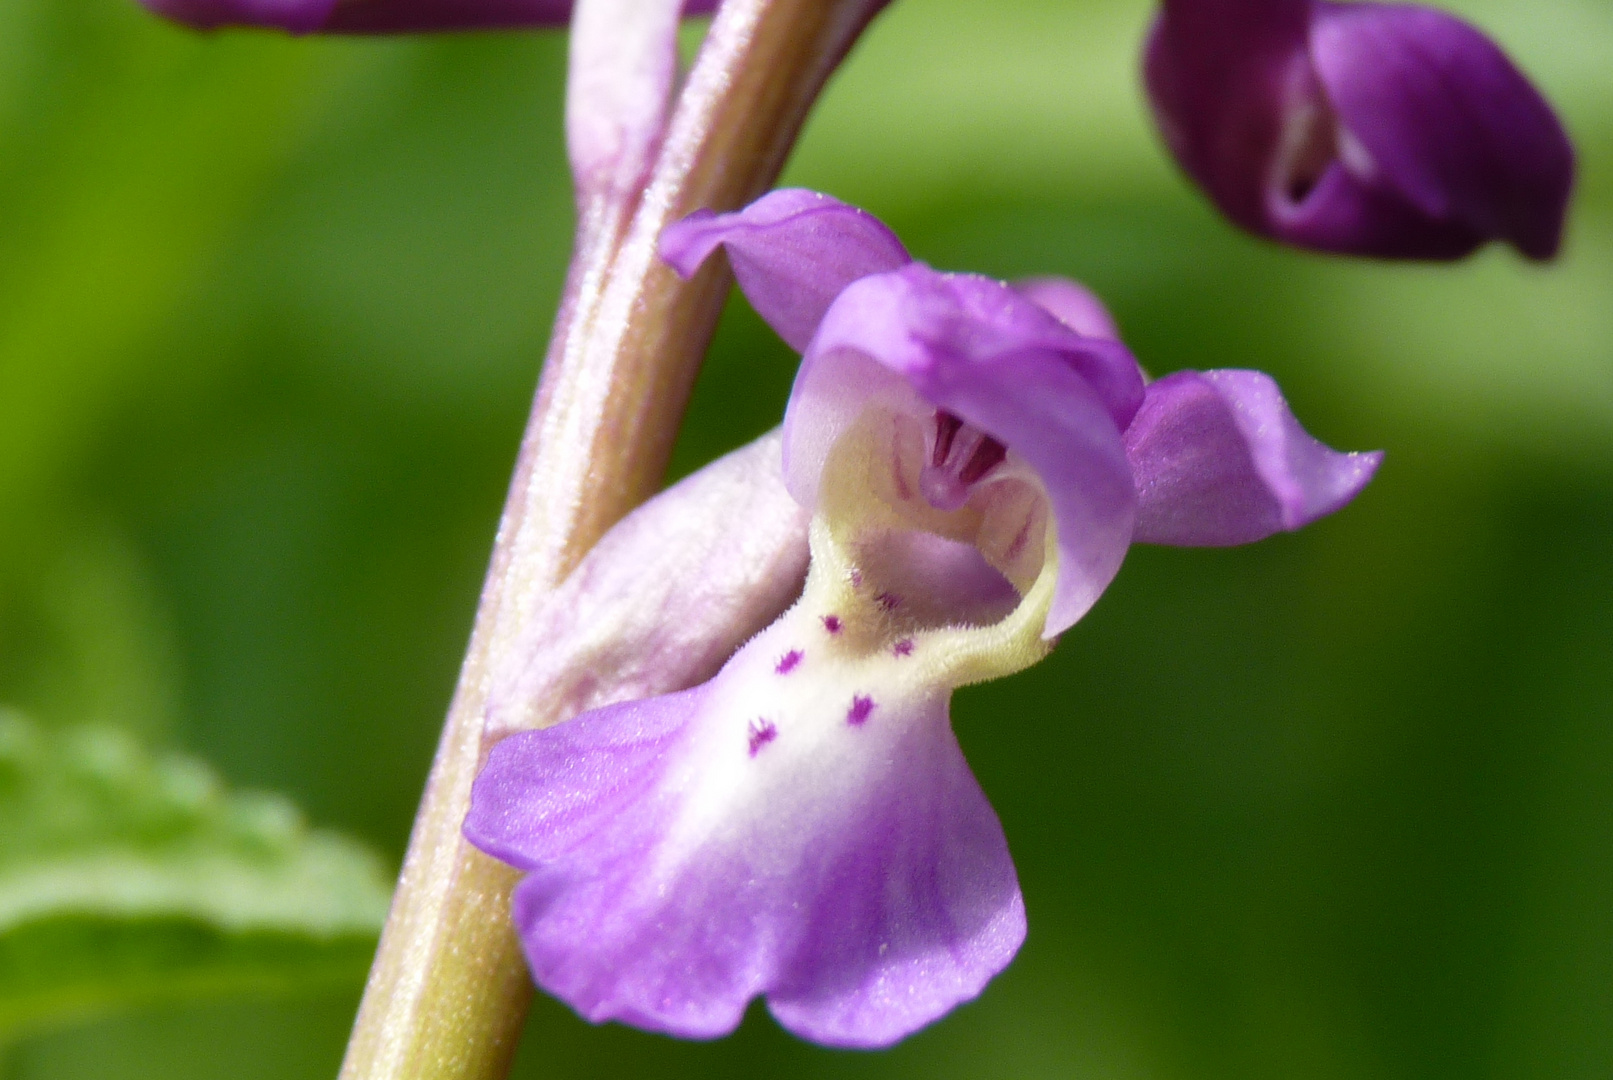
x=931 y=539
x=960 y=457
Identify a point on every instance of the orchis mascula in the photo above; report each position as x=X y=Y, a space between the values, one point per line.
x=1364 y=128
x=378 y=16
x=803 y=825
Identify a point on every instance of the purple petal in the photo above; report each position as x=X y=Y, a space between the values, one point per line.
x=542 y=792
x=1219 y=459
x=792 y=250
x=377 y=16
x=978 y=350
x=682 y=864
x=1071 y=303
x=1343 y=213
x=1448 y=119
x=664 y=598
x=292 y=16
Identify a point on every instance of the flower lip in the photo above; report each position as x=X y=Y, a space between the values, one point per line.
x=686 y=855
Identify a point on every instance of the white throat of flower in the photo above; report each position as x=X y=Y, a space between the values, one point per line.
x=903 y=603
x=909 y=584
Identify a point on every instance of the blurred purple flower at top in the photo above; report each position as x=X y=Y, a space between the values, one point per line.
x=1368 y=129
x=377 y=16
x=975 y=460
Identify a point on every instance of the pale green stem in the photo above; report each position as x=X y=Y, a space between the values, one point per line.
x=449 y=991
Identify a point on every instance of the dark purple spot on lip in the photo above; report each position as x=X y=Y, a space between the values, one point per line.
x=832 y=623
x=856 y=578
x=888 y=601
x=789 y=661
x=760 y=734
x=903 y=647
x=861 y=707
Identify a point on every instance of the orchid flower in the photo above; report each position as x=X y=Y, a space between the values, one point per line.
x=1364 y=128
x=377 y=16
x=803 y=825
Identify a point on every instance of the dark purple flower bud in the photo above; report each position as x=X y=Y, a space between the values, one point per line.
x=1369 y=129
x=377 y=16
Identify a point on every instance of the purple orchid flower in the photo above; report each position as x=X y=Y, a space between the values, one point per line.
x=975 y=460
x=1362 y=128
x=377 y=16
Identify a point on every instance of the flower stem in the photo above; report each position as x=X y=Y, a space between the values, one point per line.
x=449 y=989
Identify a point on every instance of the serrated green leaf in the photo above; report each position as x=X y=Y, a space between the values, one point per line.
x=128 y=877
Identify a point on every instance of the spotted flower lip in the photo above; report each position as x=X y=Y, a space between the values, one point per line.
x=1389 y=130
x=377 y=16
x=803 y=826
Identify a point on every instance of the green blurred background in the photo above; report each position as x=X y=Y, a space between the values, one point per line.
x=1339 y=805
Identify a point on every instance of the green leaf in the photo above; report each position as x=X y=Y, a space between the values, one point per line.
x=128 y=877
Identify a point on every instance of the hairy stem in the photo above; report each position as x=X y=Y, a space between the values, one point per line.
x=449 y=990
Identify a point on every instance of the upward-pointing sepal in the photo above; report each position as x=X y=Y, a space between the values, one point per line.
x=793 y=251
